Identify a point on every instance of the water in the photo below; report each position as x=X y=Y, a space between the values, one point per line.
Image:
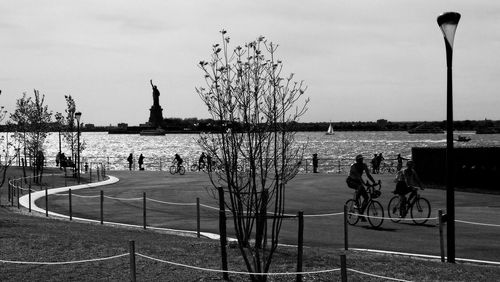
x=101 y=146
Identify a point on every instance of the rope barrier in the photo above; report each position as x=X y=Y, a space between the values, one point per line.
x=63 y=262
x=74 y=195
x=172 y=203
x=477 y=223
x=122 y=199
x=236 y=272
x=377 y=276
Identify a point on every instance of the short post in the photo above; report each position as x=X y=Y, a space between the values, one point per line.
x=346 y=234
x=98 y=179
x=339 y=166
x=102 y=207
x=29 y=200
x=198 y=217
x=70 y=206
x=46 y=202
x=144 y=209
x=441 y=239
x=160 y=163
x=343 y=268
x=222 y=231
x=131 y=246
x=300 y=245
x=90 y=173
x=18 y=204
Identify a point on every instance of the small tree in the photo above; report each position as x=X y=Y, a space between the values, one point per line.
x=7 y=148
x=254 y=149
x=70 y=128
x=32 y=119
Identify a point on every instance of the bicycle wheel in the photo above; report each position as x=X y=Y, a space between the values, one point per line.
x=420 y=210
x=173 y=169
x=352 y=212
x=194 y=167
x=375 y=214
x=182 y=170
x=393 y=209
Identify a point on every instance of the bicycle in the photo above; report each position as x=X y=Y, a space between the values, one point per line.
x=387 y=168
x=174 y=168
x=197 y=167
x=374 y=210
x=419 y=208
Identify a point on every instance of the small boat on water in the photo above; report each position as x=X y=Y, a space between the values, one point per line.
x=153 y=132
x=330 y=130
x=462 y=138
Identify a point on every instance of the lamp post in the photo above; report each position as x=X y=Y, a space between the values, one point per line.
x=78 y=115
x=448 y=23
x=58 y=118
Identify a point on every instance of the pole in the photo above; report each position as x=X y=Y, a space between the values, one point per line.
x=78 y=148
x=29 y=200
x=131 y=246
x=300 y=245
x=198 y=223
x=450 y=193
x=441 y=240
x=102 y=207
x=144 y=209
x=343 y=267
x=222 y=232
x=346 y=232
x=70 y=206
x=46 y=202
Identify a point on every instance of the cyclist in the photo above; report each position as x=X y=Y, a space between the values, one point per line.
x=406 y=182
x=201 y=161
x=178 y=160
x=355 y=181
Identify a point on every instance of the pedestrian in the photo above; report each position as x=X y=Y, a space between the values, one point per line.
x=58 y=159
x=315 y=163
x=374 y=163
x=130 y=159
x=380 y=158
x=400 y=162
x=141 y=162
x=209 y=163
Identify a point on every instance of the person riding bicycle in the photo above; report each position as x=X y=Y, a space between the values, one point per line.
x=178 y=160
x=355 y=181
x=407 y=181
x=201 y=161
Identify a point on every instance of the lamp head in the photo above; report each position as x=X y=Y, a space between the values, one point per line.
x=448 y=23
x=78 y=115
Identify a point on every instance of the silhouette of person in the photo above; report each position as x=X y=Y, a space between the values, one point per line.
x=156 y=94
x=130 y=160
x=315 y=163
x=141 y=161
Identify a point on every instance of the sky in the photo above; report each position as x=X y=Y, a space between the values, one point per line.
x=362 y=60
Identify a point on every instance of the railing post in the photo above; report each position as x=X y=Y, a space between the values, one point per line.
x=300 y=245
x=46 y=202
x=222 y=232
x=131 y=246
x=160 y=163
x=18 y=205
x=70 y=206
x=144 y=209
x=102 y=207
x=441 y=239
x=346 y=234
x=198 y=223
x=343 y=268
x=29 y=200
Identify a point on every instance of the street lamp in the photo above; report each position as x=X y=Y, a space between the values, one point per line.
x=448 y=23
x=78 y=115
x=58 y=118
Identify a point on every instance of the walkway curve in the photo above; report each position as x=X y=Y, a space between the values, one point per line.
x=24 y=201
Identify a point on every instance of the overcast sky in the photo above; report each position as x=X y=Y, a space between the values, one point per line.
x=361 y=60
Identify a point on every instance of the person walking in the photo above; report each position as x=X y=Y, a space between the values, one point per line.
x=400 y=162
x=130 y=160
x=315 y=163
x=141 y=162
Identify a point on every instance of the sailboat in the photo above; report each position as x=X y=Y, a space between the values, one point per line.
x=330 y=130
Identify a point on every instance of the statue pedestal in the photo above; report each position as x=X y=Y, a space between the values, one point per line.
x=156 y=116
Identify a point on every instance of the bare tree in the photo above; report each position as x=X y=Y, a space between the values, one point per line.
x=254 y=150
x=32 y=119
x=70 y=128
x=7 y=148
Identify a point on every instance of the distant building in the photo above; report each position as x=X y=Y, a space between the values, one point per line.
x=382 y=123
x=89 y=126
x=123 y=125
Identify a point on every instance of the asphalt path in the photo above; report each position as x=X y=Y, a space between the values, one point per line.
x=320 y=196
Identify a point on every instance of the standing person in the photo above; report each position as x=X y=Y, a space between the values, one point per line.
x=407 y=181
x=400 y=162
x=315 y=163
x=380 y=158
x=209 y=162
x=141 y=161
x=355 y=181
x=374 y=163
x=201 y=161
x=58 y=159
x=130 y=159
